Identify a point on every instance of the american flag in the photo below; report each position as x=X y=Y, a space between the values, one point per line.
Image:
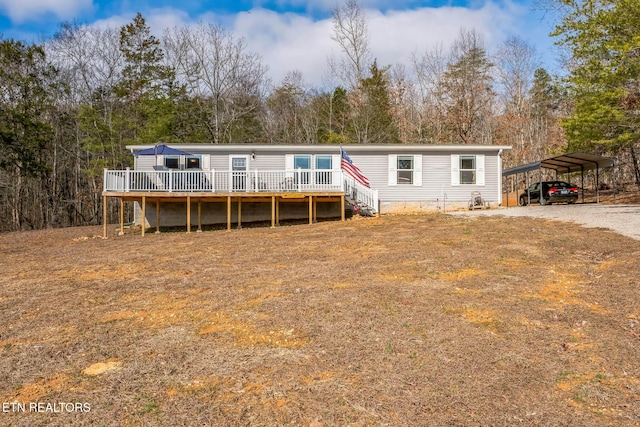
x=351 y=169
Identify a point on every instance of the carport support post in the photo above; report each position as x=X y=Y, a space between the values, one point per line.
x=597 y=186
x=507 y=188
x=541 y=192
x=526 y=183
x=613 y=179
x=582 y=185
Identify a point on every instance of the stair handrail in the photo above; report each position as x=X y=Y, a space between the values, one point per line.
x=363 y=196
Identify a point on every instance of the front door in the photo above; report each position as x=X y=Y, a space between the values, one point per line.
x=239 y=167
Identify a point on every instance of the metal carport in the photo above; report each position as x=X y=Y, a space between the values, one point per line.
x=567 y=163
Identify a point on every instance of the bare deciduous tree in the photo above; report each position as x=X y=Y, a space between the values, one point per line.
x=90 y=65
x=217 y=69
x=350 y=31
x=88 y=59
x=429 y=69
x=516 y=61
x=466 y=91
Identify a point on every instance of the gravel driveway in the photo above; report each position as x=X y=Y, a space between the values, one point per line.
x=623 y=219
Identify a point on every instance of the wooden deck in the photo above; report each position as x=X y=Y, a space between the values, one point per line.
x=275 y=198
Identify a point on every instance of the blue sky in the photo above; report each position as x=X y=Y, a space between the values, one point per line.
x=295 y=34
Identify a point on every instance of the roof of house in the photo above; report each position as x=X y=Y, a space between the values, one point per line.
x=329 y=148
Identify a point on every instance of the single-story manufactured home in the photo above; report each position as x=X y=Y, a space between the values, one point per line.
x=259 y=182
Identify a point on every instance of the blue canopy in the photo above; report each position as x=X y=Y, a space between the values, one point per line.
x=161 y=149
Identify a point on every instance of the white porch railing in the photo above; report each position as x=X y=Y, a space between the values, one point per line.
x=360 y=194
x=223 y=181
x=299 y=180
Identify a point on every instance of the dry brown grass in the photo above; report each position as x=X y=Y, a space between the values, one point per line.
x=395 y=321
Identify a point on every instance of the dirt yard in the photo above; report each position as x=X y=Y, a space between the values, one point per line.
x=391 y=321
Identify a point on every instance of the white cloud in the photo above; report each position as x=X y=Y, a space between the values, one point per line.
x=157 y=19
x=23 y=10
x=288 y=41
x=328 y=5
x=396 y=35
x=294 y=42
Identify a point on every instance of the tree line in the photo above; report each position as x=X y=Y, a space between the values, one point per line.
x=71 y=104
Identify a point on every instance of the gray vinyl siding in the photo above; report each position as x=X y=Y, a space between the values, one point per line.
x=144 y=162
x=374 y=163
x=262 y=161
x=436 y=178
x=147 y=162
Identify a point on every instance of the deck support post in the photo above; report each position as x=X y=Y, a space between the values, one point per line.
x=158 y=216
x=228 y=213
x=277 y=210
x=144 y=214
x=121 y=217
x=310 y=209
x=188 y=214
x=199 y=216
x=273 y=211
x=239 y=213
x=342 y=207
x=104 y=217
x=315 y=210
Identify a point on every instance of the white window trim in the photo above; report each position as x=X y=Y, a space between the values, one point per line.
x=480 y=178
x=311 y=161
x=206 y=162
x=289 y=161
x=235 y=156
x=455 y=170
x=336 y=161
x=417 y=170
x=288 y=165
x=480 y=170
x=186 y=160
x=393 y=171
x=174 y=156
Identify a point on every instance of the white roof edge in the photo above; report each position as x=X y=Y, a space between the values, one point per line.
x=328 y=148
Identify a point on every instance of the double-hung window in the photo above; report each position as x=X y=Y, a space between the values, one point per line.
x=186 y=162
x=302 y=162
x=467 y=169
x=405 y=169
x=313 y=169
x=324 y=166
x=193 y=162
x=172 y=162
